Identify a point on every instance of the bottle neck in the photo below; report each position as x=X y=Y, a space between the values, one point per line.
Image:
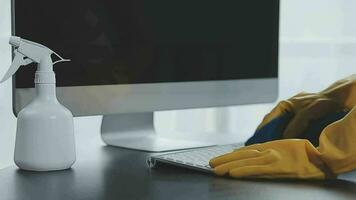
x=46 y=91
x=45 y=84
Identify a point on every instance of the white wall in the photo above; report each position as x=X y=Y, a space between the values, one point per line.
x=7 y=119
x=318 y=46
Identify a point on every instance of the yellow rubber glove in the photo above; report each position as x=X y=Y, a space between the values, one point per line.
x=312 y=106
x=278 y=159
x=296 y=158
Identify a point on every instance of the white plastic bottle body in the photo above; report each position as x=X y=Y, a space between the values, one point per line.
x=45 y=130
x=45 y=133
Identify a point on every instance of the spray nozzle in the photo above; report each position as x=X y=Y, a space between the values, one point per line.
x=15 y=41
x=27 y=52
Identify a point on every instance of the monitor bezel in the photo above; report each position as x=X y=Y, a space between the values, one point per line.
x=130 y=98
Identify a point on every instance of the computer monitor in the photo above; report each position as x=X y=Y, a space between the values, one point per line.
x=131 y=58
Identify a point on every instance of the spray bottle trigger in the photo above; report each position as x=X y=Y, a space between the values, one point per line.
x=19 y=60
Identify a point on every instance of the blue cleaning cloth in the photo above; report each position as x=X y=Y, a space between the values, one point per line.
x=274 y=129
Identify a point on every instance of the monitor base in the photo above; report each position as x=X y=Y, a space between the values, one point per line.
x=136 y=131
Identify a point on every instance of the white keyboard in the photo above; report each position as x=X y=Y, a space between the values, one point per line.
x=197 y=159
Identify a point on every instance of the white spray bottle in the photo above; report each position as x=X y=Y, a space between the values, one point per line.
x=45 y=131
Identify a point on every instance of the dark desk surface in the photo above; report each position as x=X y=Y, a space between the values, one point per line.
x=103 y=172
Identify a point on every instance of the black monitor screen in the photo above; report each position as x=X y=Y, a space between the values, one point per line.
x=151 y=41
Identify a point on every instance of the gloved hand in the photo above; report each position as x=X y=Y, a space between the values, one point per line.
x=277 y=159
x=307 y=107
x=275 y=128
x=295 y=158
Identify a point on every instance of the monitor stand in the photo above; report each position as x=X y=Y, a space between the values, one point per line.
x=136 y=131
